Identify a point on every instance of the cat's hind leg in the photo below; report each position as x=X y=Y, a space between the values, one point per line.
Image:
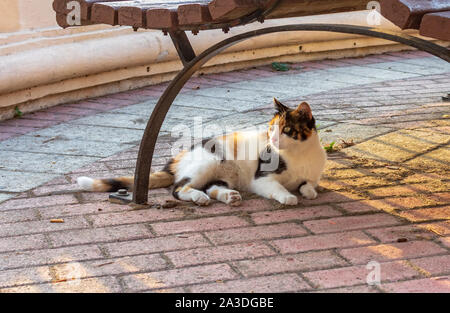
x=219 y=190
x=183 y=190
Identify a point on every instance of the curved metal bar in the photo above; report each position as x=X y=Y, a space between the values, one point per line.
x=150 y=136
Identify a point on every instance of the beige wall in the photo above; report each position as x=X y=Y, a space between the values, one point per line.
x=9 y=20
x=18 y=15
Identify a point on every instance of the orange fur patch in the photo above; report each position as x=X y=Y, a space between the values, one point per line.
x=160 y=180
x=214 y=194
x=176 y=159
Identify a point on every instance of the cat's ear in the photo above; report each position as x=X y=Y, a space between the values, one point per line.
x=280 y=107
x=305 y=109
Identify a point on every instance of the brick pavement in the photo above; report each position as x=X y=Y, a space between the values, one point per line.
x=384 y=196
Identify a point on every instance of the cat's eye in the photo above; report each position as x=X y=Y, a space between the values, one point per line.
x=286 y=130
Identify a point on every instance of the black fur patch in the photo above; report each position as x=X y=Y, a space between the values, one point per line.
x=214 y=183
x=176 y=186
x=115 y=185
x=265 y=158
x=168 y=166
x=301 y=184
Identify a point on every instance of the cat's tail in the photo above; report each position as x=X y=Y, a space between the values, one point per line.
x=157 y=180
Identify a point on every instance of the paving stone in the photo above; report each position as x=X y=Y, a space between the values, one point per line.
x=295 y=262
x=428 y=285
x=37 y=241
x=123 y=121
x=410 y=68
x=371 y=72
x=302 y=87
x=306 y=83
x=432 y=266
x=85 y=236
x=228 y=92
x=349 y=132
x=224 y=104
x=177 y=277
x=428 y=214
x=386 y=252
x=184 y=112
x=219 y=254
x=321 y=242
x=402 y=233
x=265 y=284
x=299 y=214
x=398 y=146
x=137 y=216
x=159 y=244
x=25 y=203
x=255 y=233
x=61 y=145
x=90 y=285
x=350 y=222
x=13 y=181
x=428 y=62
x=201 y=224
x=13 y=216
x=348 y=276
x=32 y=227
x=48 y=256
x=48 y=163
x=4 y=196
x=90 y=133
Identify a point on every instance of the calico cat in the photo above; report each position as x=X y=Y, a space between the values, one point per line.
x=287 y=156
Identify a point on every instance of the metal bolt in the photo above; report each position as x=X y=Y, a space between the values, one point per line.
x=122 y=192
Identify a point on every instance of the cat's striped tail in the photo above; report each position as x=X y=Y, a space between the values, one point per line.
x=157 y=180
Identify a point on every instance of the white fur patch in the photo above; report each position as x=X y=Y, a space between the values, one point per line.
x=85 y=183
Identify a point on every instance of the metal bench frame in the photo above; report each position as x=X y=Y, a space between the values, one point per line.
x=192 y=63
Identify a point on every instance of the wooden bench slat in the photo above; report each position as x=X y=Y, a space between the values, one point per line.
x=222 y=10
x=293 y=8
x=436 y=25
x=60 y=6
x=105 y=13
x=194 y=14
x=135 y=14
x=408 y=13
x=165 y=15
x=159 y=15
x=161 y=19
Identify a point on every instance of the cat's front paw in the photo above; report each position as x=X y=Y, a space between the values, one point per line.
x=308 y=192
x=200 y=198
x=287 y=199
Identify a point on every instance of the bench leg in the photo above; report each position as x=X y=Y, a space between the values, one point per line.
x=183 y=46
x=144 y=161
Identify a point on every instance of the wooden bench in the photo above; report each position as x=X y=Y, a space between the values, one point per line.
x=430 y=17
x=175 y=17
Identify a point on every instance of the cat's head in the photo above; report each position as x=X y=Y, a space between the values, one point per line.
x=289 y=126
